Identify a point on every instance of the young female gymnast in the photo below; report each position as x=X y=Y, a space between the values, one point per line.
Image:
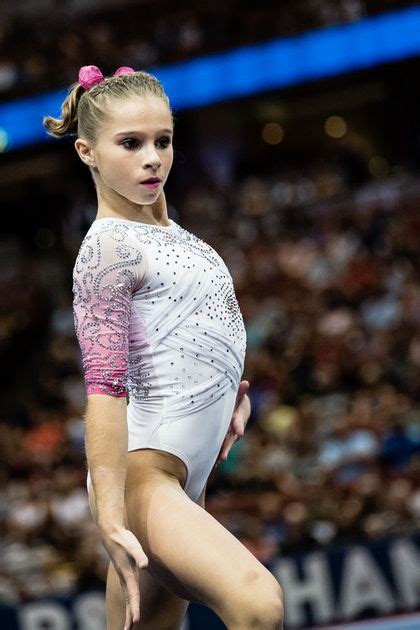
x=163 y=346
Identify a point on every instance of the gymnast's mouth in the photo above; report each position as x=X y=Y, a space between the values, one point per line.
x=151 y=180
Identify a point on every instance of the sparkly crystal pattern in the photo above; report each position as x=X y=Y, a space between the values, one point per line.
x=104 y=277
x=156 y=315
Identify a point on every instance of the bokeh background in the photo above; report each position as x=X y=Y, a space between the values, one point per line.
x=310 y=191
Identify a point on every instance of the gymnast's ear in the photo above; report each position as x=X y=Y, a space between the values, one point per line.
x=84 y=151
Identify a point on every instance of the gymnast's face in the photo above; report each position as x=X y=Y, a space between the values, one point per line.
x=133 y=145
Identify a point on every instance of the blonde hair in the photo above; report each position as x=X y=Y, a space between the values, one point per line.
x=84 y=111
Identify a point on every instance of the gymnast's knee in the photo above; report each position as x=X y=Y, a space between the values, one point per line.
x=263 y=609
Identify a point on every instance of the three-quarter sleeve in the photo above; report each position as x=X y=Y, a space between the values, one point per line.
x=105 y=275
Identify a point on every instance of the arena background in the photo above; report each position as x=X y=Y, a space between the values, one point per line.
x=301 y=168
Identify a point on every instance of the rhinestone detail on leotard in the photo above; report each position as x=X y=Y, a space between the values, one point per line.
x=180 y=288
x=104 y=277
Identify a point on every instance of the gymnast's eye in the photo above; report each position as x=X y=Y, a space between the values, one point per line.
x=131 y=140
x=166 y=141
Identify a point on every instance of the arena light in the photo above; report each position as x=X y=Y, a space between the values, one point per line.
x=272 y=133
x=249 y=70
x=335 y=127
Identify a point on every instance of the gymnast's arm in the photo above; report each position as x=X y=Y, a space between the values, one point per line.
x=105 y=276
x=106 y=446
x=106 y=443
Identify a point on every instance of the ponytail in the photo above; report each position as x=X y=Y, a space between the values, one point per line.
x=67 y=124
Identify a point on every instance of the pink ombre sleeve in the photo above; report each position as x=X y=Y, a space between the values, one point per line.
x=105 y=274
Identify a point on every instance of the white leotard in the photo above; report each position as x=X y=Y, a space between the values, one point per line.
x=157 y=320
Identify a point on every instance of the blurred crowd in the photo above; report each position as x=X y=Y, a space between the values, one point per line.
x=327 y=278
x=144 y=36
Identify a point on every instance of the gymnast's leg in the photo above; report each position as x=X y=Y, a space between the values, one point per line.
x=159 y=608
x=195 y=557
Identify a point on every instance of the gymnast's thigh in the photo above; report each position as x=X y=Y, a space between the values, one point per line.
x=160 y=608
x=92 y=501
x=190 y=553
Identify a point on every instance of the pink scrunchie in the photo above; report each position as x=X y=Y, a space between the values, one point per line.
x=123 y=70
x=90 y=75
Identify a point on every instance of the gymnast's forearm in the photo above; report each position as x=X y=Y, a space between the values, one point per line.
x=106 y=442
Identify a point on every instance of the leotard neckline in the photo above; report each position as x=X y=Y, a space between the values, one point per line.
x=140 y=223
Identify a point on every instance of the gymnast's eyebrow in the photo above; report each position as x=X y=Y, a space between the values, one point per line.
x=127 y=133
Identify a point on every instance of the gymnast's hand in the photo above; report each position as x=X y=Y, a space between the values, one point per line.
x=128 y=557
x=240 y=416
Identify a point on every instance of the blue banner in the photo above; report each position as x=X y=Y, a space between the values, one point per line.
x=339 y=584
x=241 y=72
